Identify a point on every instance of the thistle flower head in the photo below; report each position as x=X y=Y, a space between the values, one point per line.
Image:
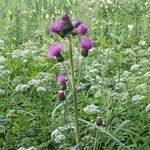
x=86 y=44
x=61 y=95
x=66 y=23
x=82 y=29
x=61 y=79
x=65 y=17
x=54 y=51
x=56 y=27
x=77 y=23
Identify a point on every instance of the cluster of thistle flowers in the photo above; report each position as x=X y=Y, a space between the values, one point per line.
x=64 y=28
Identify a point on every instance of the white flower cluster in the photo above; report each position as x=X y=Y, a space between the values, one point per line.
x=136 y=98
x=147 y=75
x=142 y=88
x=39 y=82
x=135 y=67
x=2 y=92
x=147 y=108
x=1 y=42
x=129 y=52
x=20 y=53
x=144 y=62
x=98 y=93
x=40 y=88
x=90 y=109
x=34 y=82
x=2 y=59
x=142 y=42
x=130 y=27
x=4 y=71
x=120 y=87
x=22 y=87
x=31 y=148
x=57 y=135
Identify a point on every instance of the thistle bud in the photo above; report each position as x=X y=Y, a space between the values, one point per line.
x=99 y=121
x=61 y=95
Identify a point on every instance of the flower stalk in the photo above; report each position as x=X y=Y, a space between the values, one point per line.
x=74 y=90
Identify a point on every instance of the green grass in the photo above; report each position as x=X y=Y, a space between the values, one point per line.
x=109 y=78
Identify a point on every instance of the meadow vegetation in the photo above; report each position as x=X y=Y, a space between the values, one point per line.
x=113 y=93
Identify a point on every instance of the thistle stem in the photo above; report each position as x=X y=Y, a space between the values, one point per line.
x=74 y=93
x=96 y=138
x=80 y=71
x=66 y=72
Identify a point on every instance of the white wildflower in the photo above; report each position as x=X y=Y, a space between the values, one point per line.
x=91 y=109
x=10 y=113
x=93 y=88
x=22 y=148
x=55 y=133
x=31 y=148
x=98 y=78
x=120 y=87
x=135 y=67
x=137 y=98
x=94 y=70
x=142 y=52
x=22 y=87
x=2 y=59
x=34 y=82
x=16 y=80
x=2 y=129
x=87 y=77
x=109 y=2
x=47 y=16
x=142 y=87
x=114 y=96
x=44 y=76
x=43 y=89
x=98 y=94
x=129 y=52
x=147 y=108
x=124 y=95
x=130 y=27
x=125 y=74
x=5 y=72
x=95 y=63
x=147 y=74
x=20 y=53
x=144 y=62
x=57 y=136
x=2 y=92
x=2 y=67
x=142 y=43
x=1 y=42
x=66 y=127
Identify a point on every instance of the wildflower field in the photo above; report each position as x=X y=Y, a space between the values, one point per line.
x=74 y=75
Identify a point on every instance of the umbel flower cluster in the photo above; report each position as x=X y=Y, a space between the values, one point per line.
x=65 y=28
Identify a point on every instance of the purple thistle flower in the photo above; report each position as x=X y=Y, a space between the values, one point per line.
x=82 y=29
x=56 y=27
x=61 y=79
x=65 y=17
x=54 y=51
x=77 y=23
x=66 y=23
x=61 y=95
x=86 y=44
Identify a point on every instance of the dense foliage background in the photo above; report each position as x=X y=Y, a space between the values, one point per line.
x=115 y=82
